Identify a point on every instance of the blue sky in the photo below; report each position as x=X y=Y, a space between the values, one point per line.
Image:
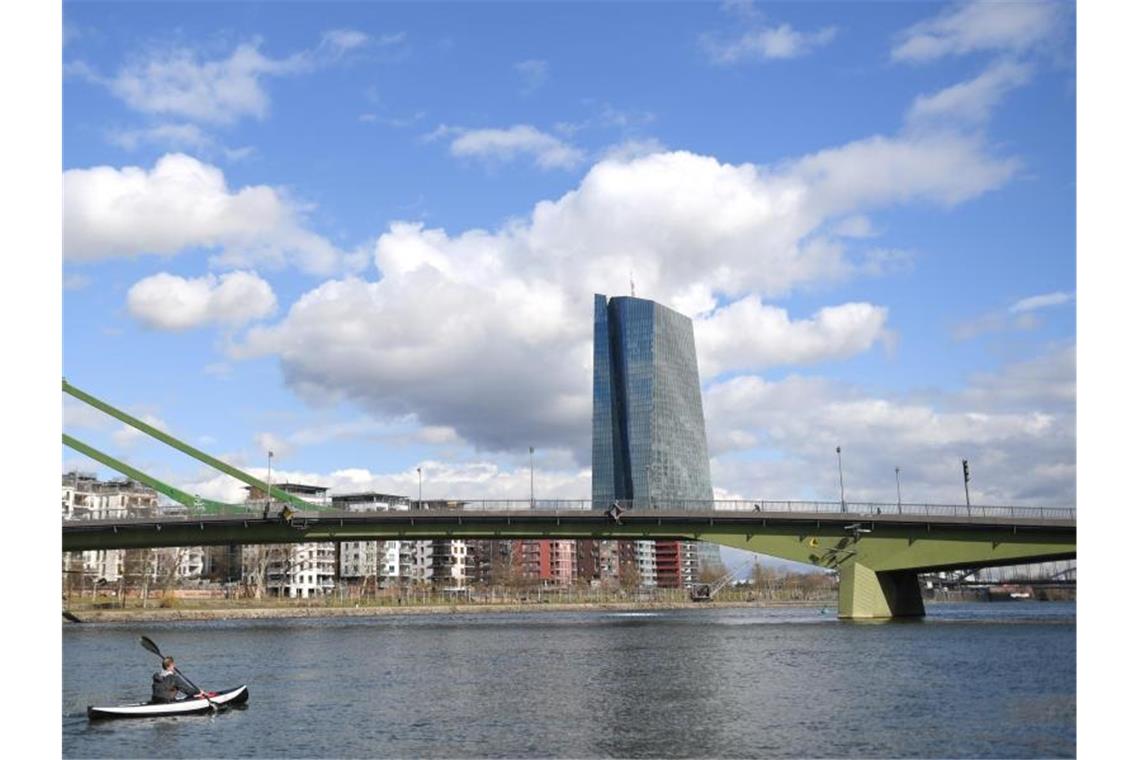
x=367 y=236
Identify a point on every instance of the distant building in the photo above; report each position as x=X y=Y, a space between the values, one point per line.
x=649 y=443
x=597 y=562
x=551 y=562
x=291 y=570
x=85 y=497
x=374 y=564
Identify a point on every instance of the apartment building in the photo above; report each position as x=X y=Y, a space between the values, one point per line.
x=85 y=497
x=374 y=564
x=291 y=570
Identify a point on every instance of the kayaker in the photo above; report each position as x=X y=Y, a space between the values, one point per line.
x=167 y=682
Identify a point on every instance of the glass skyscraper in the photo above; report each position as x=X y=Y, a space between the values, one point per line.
x=649 y=425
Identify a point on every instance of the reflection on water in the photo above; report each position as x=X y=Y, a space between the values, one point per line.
x=967 y=681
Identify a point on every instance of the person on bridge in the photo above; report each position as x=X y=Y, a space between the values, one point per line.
x=167 y=682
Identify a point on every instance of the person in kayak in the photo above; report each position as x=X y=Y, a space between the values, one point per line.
x=168 y=682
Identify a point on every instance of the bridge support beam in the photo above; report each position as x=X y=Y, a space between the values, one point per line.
x=865 y=594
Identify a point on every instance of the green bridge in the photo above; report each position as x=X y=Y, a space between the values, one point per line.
x=878 y=556
x=878 y=550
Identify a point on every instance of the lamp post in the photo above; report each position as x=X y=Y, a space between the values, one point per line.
x=532 y=477
x=842 y=495
x=898 y=488
x=420 y=473
x=268 y=482
x=966 y=482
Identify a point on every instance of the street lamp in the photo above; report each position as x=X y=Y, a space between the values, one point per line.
x=532 y=477
x=268 y=483
x=966 y=482
x=420 y=473
x=842 y=495
x=898 y=488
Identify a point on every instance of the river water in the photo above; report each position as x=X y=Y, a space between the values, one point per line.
x=970 y=680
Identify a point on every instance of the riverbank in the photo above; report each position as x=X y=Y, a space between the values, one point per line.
x=321 y=611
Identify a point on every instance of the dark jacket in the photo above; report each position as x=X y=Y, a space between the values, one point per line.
x=166 y=685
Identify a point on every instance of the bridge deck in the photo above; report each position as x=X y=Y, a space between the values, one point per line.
x=587 y=520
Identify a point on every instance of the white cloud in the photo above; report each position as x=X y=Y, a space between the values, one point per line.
x=179 y=136
x=1016 y=427
x=180 y=82
x=1040 y=302
x=472 y=479
x=1019 y=316
x=340 y=41
x=79 y=415
x=748 y=335
x=266 y=442
x=168 y=302
x=765 y=43
x=547 y=151
x=489 y=332
x=970 y=102
x=177 y=83
x=857 y=226
x=182 y=204
x=980 y=25
x=128 y=436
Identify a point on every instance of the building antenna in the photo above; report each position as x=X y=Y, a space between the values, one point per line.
x=632 y=292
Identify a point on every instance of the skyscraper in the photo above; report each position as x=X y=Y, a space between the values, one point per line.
x=649 y=445
x=649 y=425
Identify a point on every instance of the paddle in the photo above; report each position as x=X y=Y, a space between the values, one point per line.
x=152 y=647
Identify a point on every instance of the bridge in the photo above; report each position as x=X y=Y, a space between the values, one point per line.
x=878 y=550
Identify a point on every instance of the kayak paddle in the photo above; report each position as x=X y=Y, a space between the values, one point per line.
x=150 y=646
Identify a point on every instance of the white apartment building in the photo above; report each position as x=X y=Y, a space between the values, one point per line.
x=84 y=497
x=386 y=563
x=291 y=570
x=441 y=563
x=646 y=555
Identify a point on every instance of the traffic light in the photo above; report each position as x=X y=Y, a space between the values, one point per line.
x=966 y=470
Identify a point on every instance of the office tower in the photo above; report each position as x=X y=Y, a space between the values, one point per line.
x=649 y=445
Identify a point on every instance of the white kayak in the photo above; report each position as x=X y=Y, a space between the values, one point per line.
x=189 y=706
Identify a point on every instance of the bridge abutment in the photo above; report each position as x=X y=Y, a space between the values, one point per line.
x=865 y=594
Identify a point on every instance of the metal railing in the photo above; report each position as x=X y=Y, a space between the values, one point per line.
x=854 y=509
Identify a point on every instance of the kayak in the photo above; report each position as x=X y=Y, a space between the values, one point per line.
x=189 y=706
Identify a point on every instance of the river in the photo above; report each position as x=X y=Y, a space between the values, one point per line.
x=969 y=680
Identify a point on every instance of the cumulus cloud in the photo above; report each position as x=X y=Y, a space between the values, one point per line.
x=748 y=334
x=766 y=43
x=980 y=26
x=521 y=140
x=182 y=204
x=488 y=332
x=970 y=102
x=1016 y=426
x=180 y=82
x=472 y=479
x=168 y=302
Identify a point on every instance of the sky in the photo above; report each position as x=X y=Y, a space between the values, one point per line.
x=367 y=236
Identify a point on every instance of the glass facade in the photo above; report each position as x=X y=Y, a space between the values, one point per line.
x=649 y=442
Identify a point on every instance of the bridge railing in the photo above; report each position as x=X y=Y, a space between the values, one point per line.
x=855 y=509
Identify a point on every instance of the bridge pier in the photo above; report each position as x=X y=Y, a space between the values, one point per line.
x=865 y=594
